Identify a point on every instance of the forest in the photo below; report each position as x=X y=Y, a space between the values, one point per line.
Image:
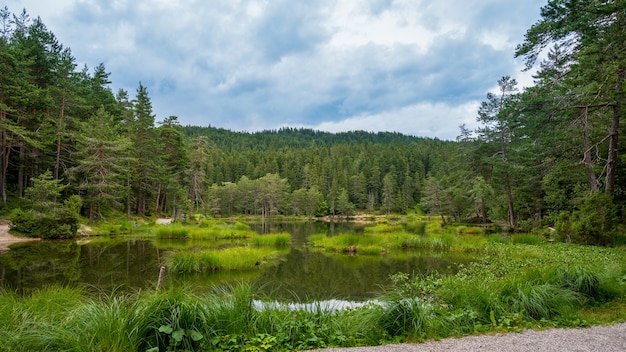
x=544 y=157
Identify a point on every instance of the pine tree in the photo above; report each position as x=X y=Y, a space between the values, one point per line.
x=103 y=157
x=498 y=118
x=145 y=146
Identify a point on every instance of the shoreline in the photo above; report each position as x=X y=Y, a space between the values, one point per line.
x=7 y=239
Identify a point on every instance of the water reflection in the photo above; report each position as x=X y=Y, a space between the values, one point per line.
x=302 y=275
x=105 y=266
x=309 y=275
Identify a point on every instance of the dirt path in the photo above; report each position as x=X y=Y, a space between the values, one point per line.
x=7 y=239
x=610 y=338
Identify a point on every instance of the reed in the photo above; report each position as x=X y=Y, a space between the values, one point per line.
x=108 y=324
x=469 y=230
x=222 y=231
x=378 y=242
x=527 y=238
x=416 y=227
x=173 y=232
x=277 y=240
x=383 y=227
x=237 y=258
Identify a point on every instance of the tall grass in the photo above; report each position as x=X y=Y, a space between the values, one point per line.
x=416 y=227
x=222 y=231
x=237 y=258
x=276 y=240
x=380 y=242
x=173 y=232
x=526 y=238
x=108 y=324
x=378 y=228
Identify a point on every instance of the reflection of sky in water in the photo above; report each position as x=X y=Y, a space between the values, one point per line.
x=327 y=305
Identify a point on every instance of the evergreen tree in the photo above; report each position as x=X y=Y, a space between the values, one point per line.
x=145 y=146
x=592 y=34
x=498 y=118
x=103 y=159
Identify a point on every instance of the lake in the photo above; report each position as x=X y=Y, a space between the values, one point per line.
x=303 y=274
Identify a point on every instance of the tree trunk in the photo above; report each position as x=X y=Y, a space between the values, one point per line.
x=587 y=160
x=128 y=199
x=509 y=197
x=57 y=162
x=158 y=196
x=483 y=211
x=613 y=139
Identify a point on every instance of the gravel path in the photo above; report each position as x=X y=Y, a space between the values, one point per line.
x=597 y=338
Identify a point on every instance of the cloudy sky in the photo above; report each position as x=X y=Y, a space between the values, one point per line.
x=418 y=67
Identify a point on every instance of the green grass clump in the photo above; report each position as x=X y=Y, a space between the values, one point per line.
x=435 y=243
x=383 y=227
x=349 y=243
x=237 y=258
x=173 y=232
x=222 y=231
x=276 y=240
x=418 y=228
x=469 y=230
x=380 y=242
x=527 y=238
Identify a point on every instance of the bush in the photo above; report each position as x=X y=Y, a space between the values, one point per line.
x=58 y=224
x=24 y=222
x=594 y=223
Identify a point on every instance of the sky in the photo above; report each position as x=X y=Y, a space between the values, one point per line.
x=418 y=67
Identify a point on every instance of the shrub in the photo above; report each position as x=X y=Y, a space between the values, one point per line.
x=57 y=224
x=593 y=223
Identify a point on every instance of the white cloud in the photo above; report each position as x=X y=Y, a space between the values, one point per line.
x=424 y=119
x=412 y=66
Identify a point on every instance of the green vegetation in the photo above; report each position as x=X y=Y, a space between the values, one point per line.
x=237 y=258
x=206 y=230
x=386 y=237
x=46 y=218
x=277 y=240
x=513 y=286
x=218 y=246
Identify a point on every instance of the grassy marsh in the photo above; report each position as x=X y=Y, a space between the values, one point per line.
x=513 y=287
x=515 y=282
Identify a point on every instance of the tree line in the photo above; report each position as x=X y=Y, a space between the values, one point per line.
x=548 y=155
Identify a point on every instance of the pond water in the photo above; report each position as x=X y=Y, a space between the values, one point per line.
x=302 y=274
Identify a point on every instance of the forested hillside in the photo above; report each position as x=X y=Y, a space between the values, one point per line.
x=549 y=155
